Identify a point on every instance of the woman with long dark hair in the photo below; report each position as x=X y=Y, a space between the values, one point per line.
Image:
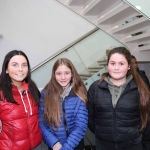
x=119 y=106
x=19 y=98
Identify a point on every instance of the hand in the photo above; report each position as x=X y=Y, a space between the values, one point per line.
x=0 y=126
x=57 y=146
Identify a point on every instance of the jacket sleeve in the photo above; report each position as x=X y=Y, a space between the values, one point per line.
x=48 y=136
x=91 y=109
x=79 y=130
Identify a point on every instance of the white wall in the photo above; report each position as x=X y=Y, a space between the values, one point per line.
x=40 y=28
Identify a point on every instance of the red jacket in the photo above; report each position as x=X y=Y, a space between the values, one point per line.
x=20 y=127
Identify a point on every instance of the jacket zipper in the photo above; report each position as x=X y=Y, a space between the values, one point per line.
x=10 y=129
x=64 y=117
x=114 y=117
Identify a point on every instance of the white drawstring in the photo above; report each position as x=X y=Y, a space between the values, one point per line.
x=29 y=103
x=23 y=102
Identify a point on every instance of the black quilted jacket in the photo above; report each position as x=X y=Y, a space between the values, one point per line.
x=121 y=123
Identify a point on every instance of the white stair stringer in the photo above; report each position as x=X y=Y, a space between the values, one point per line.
x=116 y=18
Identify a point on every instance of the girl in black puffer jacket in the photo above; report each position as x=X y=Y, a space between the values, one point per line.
x=118 y=105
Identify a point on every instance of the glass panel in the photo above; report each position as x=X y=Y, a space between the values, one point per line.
x=98 y=75
x=43 y=74
x=95 y=47
x=88 y=82
x=141 y=5
x=83 y=55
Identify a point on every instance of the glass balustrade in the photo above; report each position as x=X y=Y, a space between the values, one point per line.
x=83 y=55
x=141 y=5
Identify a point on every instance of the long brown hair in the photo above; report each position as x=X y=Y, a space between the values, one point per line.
x=52 y=109
x=142 y=87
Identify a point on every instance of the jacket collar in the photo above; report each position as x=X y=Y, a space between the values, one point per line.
x=15 y=89
x=131 y=85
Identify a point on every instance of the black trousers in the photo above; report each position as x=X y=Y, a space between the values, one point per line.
x=135 y=144
x=79 y=147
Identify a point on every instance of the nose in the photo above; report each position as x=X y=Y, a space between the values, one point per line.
x=20 y=68
x=116 y=66
x=62 y=76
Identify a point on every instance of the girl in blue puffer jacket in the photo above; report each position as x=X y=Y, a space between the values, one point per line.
x=62 y=113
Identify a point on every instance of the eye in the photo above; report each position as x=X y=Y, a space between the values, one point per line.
x=67 y=72
x=58 y=73
x=24 y=65
x=15 y=64
x=112 y=63
x=121 y=64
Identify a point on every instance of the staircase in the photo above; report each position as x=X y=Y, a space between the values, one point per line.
x=94 y=70
x=117 y=18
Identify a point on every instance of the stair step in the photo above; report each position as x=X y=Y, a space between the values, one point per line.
x=99 y=7
x=79 y=3
x=129 y=27
x=143 y=48
x=119 y=15
x=139 y=38
x=96 y=68
x=102 y=62
x=85 y=75
x=107 y=52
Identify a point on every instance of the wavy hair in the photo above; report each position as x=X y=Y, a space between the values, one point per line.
x=142 y=87
x=53 y=90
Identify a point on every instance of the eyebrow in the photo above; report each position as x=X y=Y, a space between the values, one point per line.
x=17 y=63
x=115 y=61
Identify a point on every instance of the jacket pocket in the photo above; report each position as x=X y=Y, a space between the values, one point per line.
x=137 y=140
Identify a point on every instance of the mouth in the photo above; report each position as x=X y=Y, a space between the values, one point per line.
x=20 y=75
x=63 y=81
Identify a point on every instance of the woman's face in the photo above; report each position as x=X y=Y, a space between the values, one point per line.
x=63 y=76
x=17 y=69
x=118 y=68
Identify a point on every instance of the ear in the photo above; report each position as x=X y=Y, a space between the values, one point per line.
x=128 y=67
x=6 y=72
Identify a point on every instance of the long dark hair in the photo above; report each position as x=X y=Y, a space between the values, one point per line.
x=51 y=102
x=142 y=87
x=6 y=83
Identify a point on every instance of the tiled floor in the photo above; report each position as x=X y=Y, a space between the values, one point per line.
x=44 y=147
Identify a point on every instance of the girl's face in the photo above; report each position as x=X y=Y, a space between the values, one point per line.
x=17 y=69
x=63 y=76
x=118 y=68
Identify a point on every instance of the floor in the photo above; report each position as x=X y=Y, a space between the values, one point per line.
x=44 y=147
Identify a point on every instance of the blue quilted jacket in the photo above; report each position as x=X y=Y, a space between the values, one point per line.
x=73 y=123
